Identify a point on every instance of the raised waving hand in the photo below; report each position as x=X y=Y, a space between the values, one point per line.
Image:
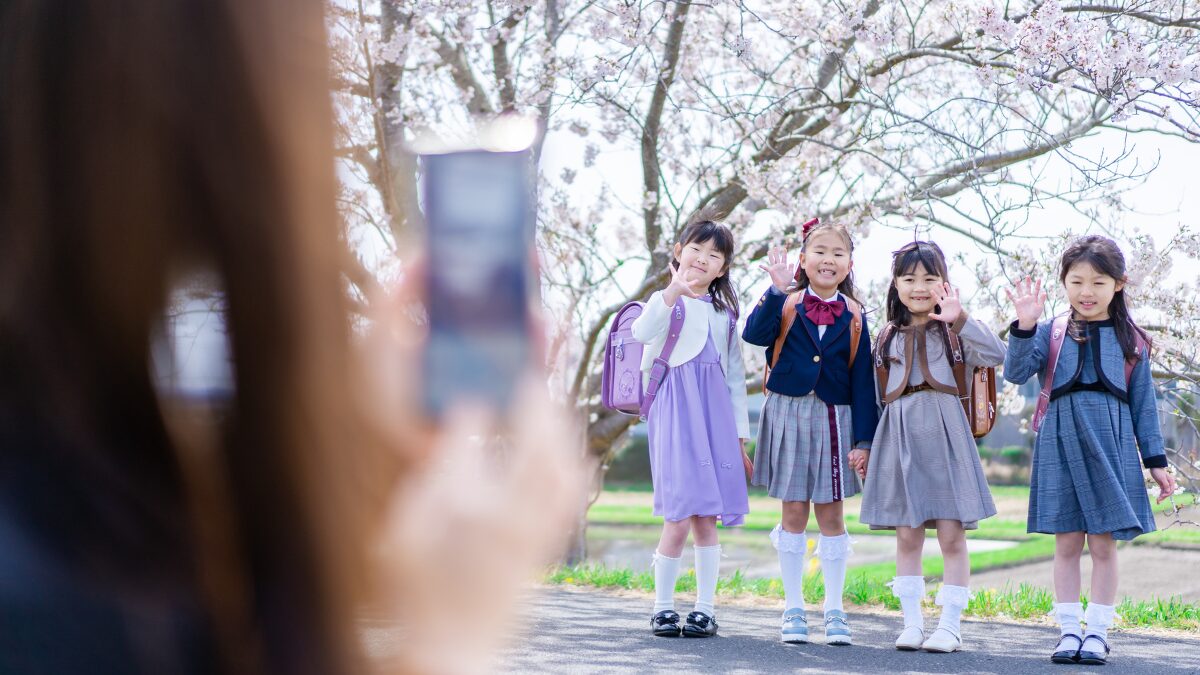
x=948 y=302
x=778 y=267
x=1029 y=300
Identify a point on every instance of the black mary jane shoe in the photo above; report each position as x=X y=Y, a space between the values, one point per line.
x=1061 y=655
x=665 y=623
x=699 y=624
x=1093 y=658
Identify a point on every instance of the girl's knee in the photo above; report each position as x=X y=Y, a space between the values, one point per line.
x=1102 y=547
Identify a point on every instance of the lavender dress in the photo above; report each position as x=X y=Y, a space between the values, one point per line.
x=695 y=456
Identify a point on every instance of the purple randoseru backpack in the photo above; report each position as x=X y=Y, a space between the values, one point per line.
x=621 y=380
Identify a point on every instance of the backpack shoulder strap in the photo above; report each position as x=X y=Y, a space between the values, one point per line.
x=881 y=370
x=658 y=370
x=1141 y=345
x=957 y=362
x=856 y=327
x=1058 y=333
x=789 y=318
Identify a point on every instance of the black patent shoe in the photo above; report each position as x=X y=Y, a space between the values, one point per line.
x=1062 y=654
x=1093 y=658
x=699 y=624
x=665 y=623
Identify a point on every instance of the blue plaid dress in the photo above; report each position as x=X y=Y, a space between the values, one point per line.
x=1086 y=473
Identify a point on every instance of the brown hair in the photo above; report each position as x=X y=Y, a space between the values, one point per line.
x=139 y=140
x=846 y=288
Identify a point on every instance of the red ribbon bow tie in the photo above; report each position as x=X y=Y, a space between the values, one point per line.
x=821 y=312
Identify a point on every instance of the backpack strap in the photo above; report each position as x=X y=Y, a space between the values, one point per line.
x=1130 y=364
x=1058 y=333
x=856 y=327
x=881 y=370
x=959 y=365
x=658 y=371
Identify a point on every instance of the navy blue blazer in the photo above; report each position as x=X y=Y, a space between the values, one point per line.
x=822 y=365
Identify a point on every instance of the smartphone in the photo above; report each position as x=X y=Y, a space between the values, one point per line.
x=480 y=285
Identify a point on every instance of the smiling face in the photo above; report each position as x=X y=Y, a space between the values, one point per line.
x=915 y=287
x=704 y=261
x=1090 y=291
x=826 y=261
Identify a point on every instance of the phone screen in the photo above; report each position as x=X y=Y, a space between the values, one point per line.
x=478 y=212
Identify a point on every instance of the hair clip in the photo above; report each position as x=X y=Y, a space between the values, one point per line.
x=808 y=226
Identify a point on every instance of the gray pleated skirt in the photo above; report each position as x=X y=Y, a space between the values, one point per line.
x=924 y=466
x=803 y=450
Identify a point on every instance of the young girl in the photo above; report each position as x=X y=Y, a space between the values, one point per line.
x=696 y=421
x=817 y=405
x=1086 y=483
x=925 y=470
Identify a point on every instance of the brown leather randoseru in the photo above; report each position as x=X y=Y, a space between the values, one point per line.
x=979 y=399
x=789 y=318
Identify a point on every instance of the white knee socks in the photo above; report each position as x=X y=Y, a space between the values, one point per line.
x=708 y=563
x=833 y=552
x=910 y=591
x=792 y=547
x=953 y=600
x=666 y=571
x=1098 y=618
x=1068 y=615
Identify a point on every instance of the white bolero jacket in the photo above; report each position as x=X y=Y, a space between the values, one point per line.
x=699 y=319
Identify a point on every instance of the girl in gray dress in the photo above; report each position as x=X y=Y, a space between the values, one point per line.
x=924 y=467
x=1100 y=415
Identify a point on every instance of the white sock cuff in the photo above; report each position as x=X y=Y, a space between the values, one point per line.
x=835 y=548
x=665 y=559
x=1067 y=610
x=1100 y=616
x=957 y=596
x=789 y=542
x=908 y=586
x=707 y=552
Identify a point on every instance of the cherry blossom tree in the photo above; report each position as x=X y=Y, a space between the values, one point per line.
x=946 y=117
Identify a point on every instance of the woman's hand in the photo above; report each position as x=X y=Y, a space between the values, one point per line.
x=1029 y=300
x=781 y=272
x=1166 y=483
x=859 y=458
x=681 y=285
x=947 y=299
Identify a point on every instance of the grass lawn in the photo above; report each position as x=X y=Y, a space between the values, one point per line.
x=632 y=505
x=866 y=584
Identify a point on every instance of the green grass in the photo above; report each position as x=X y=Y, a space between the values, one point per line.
x=765 y=520
x=867 y=586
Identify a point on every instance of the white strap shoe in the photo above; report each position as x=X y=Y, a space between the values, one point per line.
x=942 y=641
x=911 y=639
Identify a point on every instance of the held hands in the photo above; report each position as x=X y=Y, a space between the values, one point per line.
x=947 y=298
x=1029 y=300
x=1166 y=483
x=859 y=458
x=777 y=266
x=680 y=286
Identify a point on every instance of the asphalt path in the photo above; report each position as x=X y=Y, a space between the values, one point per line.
x=571 y=630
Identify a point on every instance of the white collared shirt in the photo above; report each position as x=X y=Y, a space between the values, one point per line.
x=836 y=296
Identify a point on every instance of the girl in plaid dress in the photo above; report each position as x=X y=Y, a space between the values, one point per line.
x=925 y=470
x=1086 y=483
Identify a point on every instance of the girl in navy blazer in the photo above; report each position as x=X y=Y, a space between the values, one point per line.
x=818 y=407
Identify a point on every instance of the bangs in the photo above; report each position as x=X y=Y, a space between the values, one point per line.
x=923 y=256
x=702 y=232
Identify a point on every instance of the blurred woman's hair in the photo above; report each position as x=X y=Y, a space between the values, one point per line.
x=140 y=141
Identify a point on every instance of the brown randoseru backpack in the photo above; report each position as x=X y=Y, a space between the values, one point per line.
x=978 y=396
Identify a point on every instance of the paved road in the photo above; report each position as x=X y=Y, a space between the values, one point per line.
x=587 y=631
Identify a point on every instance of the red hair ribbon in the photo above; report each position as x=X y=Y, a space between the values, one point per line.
x=807 y=227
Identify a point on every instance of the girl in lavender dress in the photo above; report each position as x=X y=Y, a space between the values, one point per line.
x=698 y=424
